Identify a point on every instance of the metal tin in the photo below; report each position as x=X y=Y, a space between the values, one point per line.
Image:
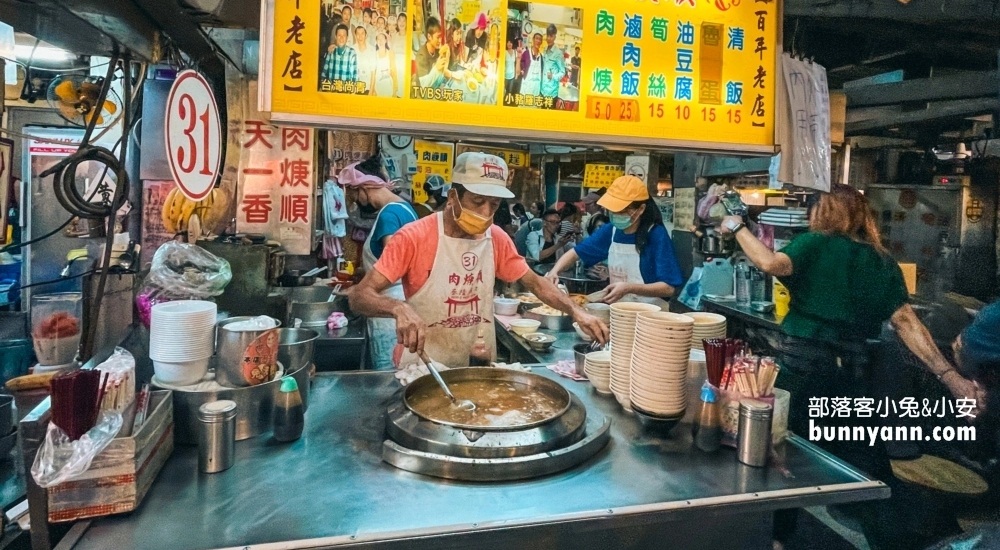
x=558 y=323
x=753 y=442
x=216 y=436
x=231 y=349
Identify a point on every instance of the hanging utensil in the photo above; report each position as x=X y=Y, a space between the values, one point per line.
x=463 y=404
x=314 y=272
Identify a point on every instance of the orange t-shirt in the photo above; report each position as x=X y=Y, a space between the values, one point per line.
x=411 y=252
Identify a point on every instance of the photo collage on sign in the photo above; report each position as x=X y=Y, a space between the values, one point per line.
x=543 y=57
x=363 y=47
x=456 y=50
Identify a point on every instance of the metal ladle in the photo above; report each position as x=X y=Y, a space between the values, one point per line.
x=464 y=404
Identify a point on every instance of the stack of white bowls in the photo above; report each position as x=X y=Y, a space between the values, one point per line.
x=623 y=319
x=597 y=367
x=182 y=340
x=706 y=327
x=660 y=357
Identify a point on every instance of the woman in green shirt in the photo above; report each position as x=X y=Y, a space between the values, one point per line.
x=843 y=287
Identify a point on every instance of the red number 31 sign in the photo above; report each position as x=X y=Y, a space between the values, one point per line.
x=193 y=136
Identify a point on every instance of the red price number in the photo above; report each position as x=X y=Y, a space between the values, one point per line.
x=613 y=109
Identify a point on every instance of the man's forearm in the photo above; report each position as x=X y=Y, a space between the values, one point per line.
x=654 y=290
x=369 y=303
x=547 y=292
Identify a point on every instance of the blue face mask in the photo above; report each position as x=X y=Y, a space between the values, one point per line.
x=621 y=221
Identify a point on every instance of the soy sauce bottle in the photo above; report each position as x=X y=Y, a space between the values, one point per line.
x=479 y=355
x=289 y=417
x=708 y=430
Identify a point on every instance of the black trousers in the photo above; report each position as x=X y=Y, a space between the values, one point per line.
x=813 y=370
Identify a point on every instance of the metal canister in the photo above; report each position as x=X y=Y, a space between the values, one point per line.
x=216 y=436
x=753 y=441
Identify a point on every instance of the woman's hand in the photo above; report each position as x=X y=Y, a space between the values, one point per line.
x=729 y=223
x=552 y=277
x=616 y=291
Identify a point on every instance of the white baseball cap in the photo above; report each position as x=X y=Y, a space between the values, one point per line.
x=482 y=174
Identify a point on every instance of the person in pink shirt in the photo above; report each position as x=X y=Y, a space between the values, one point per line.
x=448 y=264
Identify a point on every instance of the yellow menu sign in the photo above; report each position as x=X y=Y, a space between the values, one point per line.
x=673 y=73
x=596 y=176
x=434 y=161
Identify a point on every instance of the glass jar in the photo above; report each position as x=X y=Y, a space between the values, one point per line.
x=56 y=327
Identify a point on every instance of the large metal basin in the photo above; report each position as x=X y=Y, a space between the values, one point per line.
x=254 y=407
x=425 y=387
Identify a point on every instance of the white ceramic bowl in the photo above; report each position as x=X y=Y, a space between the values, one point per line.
x=182 y=373
x=583 y=335
x=505 y=306
x=524 y=326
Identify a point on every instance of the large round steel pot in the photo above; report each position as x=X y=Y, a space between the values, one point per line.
x=530 y=383
x=295 y=347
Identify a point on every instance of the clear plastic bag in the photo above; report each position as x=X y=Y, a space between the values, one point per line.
x=59 y=459
x=182 y=271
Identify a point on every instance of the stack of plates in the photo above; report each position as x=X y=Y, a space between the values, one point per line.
x=623 y=316
x=182 y=340
x=706 y=326
x=660 y=358
x=597 y=367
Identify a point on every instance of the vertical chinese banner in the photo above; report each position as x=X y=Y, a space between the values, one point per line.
x=434 y=160
x=276 y=184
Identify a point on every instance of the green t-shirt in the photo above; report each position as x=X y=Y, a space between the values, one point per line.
x=840 y=289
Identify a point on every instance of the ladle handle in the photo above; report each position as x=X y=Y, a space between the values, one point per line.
x=437 y=376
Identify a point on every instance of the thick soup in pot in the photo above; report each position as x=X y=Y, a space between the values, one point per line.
x=499 y=404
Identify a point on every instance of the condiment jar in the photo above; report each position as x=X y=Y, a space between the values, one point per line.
x=753 y=442
x=289 y=417
x=216 y=436
x=708 y=431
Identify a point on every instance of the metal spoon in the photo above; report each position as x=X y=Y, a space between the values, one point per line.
x=463 y=404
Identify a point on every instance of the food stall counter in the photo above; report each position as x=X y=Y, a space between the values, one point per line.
x=519 y=351
x=332 y=489
x=731 y=310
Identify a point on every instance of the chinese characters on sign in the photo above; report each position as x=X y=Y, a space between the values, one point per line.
x=513 y=157
x=601 y=175
x=276 y=184
x=660 y=72
x=434 y=161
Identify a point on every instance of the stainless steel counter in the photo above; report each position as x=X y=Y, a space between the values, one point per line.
x=520 y=351
x=730 y=309
x=331 y=488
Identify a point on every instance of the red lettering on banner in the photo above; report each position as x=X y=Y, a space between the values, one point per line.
x=294 y=208
x=295 y=136
x=295 y=173
x=257 y=208
x=257 y=130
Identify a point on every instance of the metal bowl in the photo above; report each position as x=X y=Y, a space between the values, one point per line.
x=539 y=341
x=254 y=407
x=558 y=323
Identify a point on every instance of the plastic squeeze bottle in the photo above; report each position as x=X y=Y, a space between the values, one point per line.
x=289 y=417
x=479 y=355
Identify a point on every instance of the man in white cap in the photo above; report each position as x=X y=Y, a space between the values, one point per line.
x=448 y=263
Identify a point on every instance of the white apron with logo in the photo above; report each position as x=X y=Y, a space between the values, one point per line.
x=532 y=83
x=457 y=300
x=382 y=337
x=623 y=267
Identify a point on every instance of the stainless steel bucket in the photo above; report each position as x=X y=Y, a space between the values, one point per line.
x=296 y=347
x=234 y=361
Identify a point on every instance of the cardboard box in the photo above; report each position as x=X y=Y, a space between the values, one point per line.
x=120 y=476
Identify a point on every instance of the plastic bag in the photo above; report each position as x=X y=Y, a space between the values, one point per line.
x=59 y=459
x=121 y=379
x=182 y=271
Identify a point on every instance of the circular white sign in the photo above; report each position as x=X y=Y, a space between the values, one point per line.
x=193 y=135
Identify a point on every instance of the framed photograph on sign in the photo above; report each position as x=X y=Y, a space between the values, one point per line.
x=6 y=180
